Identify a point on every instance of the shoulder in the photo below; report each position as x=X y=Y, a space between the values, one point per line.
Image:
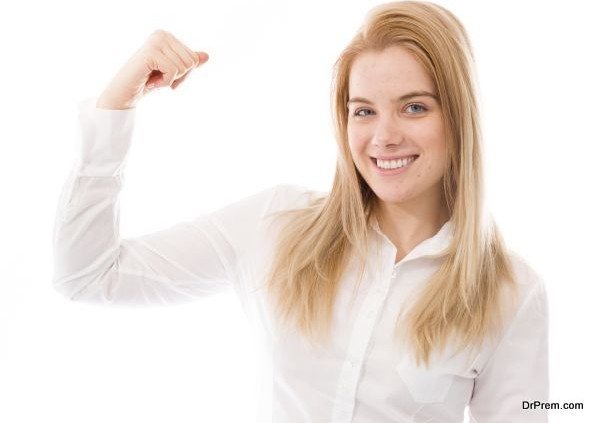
x=530 y=280
x=245 y=215
x=288 y=195
x=268 y=199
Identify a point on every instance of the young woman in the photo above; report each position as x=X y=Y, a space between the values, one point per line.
x=391 y=298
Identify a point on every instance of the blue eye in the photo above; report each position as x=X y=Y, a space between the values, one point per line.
x=418 y=105
x=423 y=108
x=356 y=113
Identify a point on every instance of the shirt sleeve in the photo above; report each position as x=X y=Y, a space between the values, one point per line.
x=518 y=369
x=93 y=264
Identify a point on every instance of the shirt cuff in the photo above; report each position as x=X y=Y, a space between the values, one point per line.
x=105 y=138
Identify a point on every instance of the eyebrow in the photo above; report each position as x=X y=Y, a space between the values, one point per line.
x=406 y=96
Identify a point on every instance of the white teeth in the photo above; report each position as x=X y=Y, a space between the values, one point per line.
x=394 y=164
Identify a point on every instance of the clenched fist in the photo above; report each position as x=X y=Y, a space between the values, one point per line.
x=162 y=61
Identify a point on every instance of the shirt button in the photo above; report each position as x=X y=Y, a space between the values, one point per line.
x=394 y=273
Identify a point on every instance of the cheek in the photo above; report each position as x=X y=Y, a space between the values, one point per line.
x=356 y=144
x=434 y=157
x=435 y=146
x=433 y=165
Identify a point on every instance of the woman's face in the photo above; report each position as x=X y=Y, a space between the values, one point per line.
x=384 y=122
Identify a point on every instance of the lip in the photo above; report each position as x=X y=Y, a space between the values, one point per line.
x=394 y=157
x=387 y=172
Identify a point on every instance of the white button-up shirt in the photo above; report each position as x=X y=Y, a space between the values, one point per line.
x=361 y=376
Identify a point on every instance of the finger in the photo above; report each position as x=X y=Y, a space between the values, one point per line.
x=163 y=64
x=178 y=82
x=188 y=58
x=168 y=52
x=202 y=56
x=199 y=56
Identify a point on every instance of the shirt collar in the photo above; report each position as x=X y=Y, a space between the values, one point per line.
x=433 y=246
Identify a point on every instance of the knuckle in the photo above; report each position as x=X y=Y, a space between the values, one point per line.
x=153 y=52
x=159 y=37
x=160 y=33
x=157 y=33
x=146 y=54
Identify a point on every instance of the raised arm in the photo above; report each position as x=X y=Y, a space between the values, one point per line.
x=189 y=259
x=92 y=263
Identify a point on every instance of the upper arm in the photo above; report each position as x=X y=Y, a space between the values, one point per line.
x=188 y=260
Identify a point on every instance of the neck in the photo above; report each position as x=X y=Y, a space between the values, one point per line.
x=407 y=224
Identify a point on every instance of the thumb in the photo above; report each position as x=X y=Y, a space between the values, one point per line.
x=202 y=56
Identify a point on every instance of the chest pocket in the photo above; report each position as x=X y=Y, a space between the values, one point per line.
x=426 y=385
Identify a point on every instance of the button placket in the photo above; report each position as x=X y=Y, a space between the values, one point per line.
x=351 y=368
x=347 y=388
x=361 y=335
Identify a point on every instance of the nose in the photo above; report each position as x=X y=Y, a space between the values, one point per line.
x=387 y=132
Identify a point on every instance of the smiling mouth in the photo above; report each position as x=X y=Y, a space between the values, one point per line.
x=374 y=160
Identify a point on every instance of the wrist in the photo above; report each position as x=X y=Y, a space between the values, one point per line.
x=109 y=103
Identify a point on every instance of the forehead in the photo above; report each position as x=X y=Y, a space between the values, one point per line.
x=394 y=68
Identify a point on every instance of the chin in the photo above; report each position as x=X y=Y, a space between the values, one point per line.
x=390 y=195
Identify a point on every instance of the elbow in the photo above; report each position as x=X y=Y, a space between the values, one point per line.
x=80 y=288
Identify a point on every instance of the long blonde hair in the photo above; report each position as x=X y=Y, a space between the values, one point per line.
x=463 y=299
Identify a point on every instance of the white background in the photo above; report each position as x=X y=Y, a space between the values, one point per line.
x=256 y=114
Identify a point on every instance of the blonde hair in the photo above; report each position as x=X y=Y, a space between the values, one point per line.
x=463 y=299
